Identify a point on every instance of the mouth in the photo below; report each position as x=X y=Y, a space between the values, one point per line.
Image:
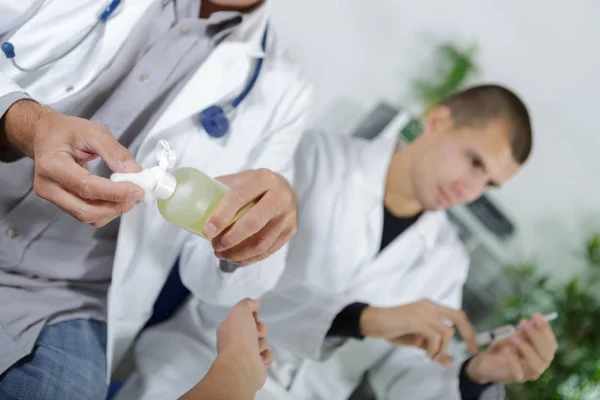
x=444 y=199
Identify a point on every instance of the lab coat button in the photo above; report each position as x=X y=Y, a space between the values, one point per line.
x=69 y=89
x=12 y=232
x=184 y=30
x=144 y=78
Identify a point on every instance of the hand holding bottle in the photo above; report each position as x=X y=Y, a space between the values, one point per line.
x=264 y=228
x=248 y=215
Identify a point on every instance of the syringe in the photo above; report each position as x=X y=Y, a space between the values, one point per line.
x=485 y=338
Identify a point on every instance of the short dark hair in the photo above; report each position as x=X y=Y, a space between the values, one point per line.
x=481 y=104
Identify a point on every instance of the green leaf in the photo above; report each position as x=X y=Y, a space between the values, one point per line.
x=455 y=66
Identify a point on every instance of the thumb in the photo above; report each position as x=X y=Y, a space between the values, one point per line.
x=249 y=304
x=115 y=155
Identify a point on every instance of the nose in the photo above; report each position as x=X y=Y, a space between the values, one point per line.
x=468 y=189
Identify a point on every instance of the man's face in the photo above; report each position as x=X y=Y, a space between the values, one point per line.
x=458 y=164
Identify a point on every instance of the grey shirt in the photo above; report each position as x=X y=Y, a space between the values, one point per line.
x=53 y=268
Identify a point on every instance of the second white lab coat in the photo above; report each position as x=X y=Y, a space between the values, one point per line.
x=345 y=179
x=264 y=134
x=341 y=186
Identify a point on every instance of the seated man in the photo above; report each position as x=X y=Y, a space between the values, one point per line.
x=374 y=242
x=390 y=247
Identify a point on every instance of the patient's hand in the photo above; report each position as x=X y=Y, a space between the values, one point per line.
x=240 y=369
x=242 y=337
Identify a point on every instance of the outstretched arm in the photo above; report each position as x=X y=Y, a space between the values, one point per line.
x=240 y=369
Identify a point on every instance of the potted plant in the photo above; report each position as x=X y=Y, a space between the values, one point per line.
x=455 y=65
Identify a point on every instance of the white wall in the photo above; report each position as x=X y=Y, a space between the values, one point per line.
x=360 y=51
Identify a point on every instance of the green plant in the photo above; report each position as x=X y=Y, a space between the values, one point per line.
x=575 y=372
x=454 y=65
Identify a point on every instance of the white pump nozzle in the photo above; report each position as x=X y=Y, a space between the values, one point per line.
x=156 y=181
x=165 y=155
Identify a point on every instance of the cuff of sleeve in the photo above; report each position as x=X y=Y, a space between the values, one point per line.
x=469 y=389
x=347 y=322
x=9 y=99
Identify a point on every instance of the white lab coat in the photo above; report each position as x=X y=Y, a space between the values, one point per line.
x=264 y=133
x=340 y=186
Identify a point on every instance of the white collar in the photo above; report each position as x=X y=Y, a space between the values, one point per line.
x=252 y=28
x=374 y=160
x=373 y=163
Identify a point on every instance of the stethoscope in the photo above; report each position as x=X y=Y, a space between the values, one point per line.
x=9 y=49
x=214 y=119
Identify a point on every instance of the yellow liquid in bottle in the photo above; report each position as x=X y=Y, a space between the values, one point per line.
x=194 y=199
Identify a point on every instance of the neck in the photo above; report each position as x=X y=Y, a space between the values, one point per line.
x=207 y=8
x=399 y=197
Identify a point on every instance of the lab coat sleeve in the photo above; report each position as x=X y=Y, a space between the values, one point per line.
x=407 y=372
x=199 y=268
x=299 y=317
x=10 y=93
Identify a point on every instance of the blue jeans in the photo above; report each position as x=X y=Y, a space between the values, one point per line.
x=68 y=362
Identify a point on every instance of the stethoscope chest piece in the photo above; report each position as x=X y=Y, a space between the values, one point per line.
x=214 y=121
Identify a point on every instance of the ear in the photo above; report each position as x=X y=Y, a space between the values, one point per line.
x=439 y=119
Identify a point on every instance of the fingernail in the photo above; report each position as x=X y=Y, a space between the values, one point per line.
x=130 y=166
x=135 y=197
x=219 y=255
x=210 y=230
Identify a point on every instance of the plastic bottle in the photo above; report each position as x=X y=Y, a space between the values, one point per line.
x=186 y=197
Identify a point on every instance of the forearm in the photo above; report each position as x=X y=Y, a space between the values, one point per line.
x=19 y=124
x=229 y=378
x=19 y=120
